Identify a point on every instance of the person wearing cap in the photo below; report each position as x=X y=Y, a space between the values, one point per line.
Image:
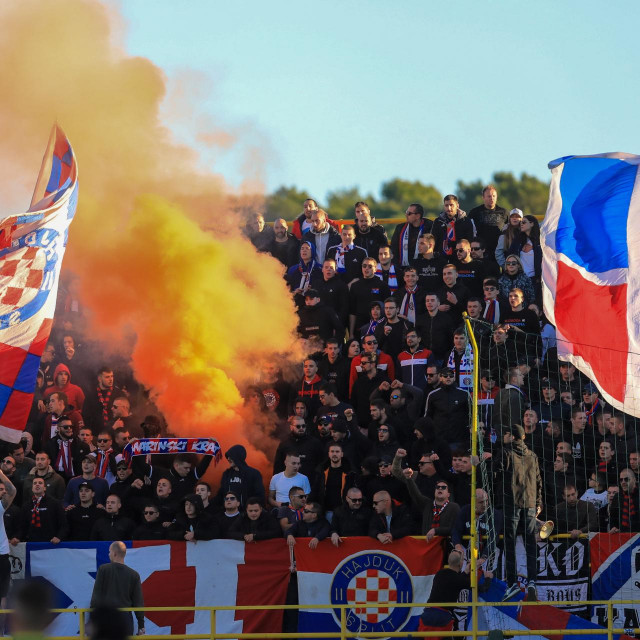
x=591 y=402
x=549 y=407
x=522 y=502
x=451 y=226
x=363 y=292
x=306 y=447
x=347 y=255
x=99 y=485
x=83 y=514
x=508 y=235
x=354 y=444
x=240 y=477
x=489 y=217
x=317 y=319
x=448 y=407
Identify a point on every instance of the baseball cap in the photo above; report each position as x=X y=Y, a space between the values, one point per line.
x=516 y=212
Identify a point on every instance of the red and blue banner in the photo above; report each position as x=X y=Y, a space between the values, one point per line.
x=32 y=246
x=590 y=239
x=173 y=574
x=359 y=573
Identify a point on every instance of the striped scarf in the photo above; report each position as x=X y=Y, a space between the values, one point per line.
x=628 y=511
x=63 y=461
x=404 y=244
x=449 y=237
x=408 y=306
x=102 y=462
x=437 y=510
x=591 y=412
x=372 y=327
x=392 y=282
x=104 y=401
x=492 y=312
x=35 y=513
x=340 y=253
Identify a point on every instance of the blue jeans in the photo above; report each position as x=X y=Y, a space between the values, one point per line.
x=523 y=520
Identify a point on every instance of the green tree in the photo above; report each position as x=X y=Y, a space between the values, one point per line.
x=526 y=192
x=285 y=202
x=397 y=194
x=341 y=201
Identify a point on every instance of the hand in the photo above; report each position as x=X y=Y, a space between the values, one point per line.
x=452 y=298
x=444 y=307
x=396 y=384
x=189 y=535
x=430 y=534
x=166 y=525
x=387 y=329
x=538 y=510
x=71 y=506
x=99 y=506
x=141 y=631
x=488 y=575
x=407 y=472
x=138 y=483
x=41 y=406
x=612 y=530
x=70 y=351
x=14 y=541
x=475 y=461
x=401 y=453
x=434 y=457
x=249 y=537
x=118 y=424
x=291 y=541
x=575 y=534
x=384 y=386
x=486 y=455
x=313 y=543
x=335 y=539
x=54 y=540
x=385 y=538
x=348 y=414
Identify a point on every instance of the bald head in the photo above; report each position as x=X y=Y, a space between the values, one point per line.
x=117 y=551
x=280 y=228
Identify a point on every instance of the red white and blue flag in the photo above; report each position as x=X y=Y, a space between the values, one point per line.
x=359 y=573
x=31 y=249
x=173 y=574
x=591 y=270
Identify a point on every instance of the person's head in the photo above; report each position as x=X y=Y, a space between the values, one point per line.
x=384 y=465
x=182 y=465
x=368 y=268
x=347 y=235
x=578 y=420
x=192 y=504
x=121 y=437
x=567 y=370
x=255 y=223
x=297 y=425
x=105 y=377
x=319 y=220
x=530 y=420
x=426 y=243
x=85 y=435
x=62 y=377
x=382 y=502
x=368 y=363
x=567 y=397
x=463 y=250
x=515 y=376
x=88 y=465
x=410 y=277
x=354 y=498
x=561 y=462
x=280 y=228
x=203 y=489
x=231 y=502
x=329 y=268
x=516 y=299
x=65 y=427
x=490 y=288
x=570 y=495
x=332 y=349
x=309 y=368
x=482 y=501
x=297 y=497
x=412 y=339
x=352 y=348
x=563 y=447
x=414 y=214
x=477 y=247
x=151 y=513
x=292 y=463
x=324 y=426
x=605 y=451
x=628 y=481
x=451 y=205
x=57 y=402
x=634 y=462
x=306 y=251
x=390 y=310
x=121 y=407
x=612 y=492
x=459 y=339
x=117 y=550
x=377 y=409
x=515 y=217
x=335 y=454
x=397 y=398
x=42 y=461
x=112 y=504
x=489 y=196
x=48 y=354
x=617 y=425
x=308 y=207
x=253 y=509
x=8 y=465
x=464 y=465
x=363 y=218
x=455 y=560
x=487 y=380
x=425 y=466
x=385 y=255
x=589 y=393
x=531 y=227
x=549 y=392
x=512 y=265
x=123 y=471
x=432 y=302
x=474 y=308
x=163 y=488
x=447 y=376
x=17 y=452
x=598 y=481
x=384 y=433
x=449 y=275
x=311 y=512
x=442 y=492
x=86 y=494
x=38 y=487
x=300 y=408
x=104 y=440
x=311 y=298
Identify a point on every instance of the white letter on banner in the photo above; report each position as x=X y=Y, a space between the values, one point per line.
x=216 y=563
x=53 y=564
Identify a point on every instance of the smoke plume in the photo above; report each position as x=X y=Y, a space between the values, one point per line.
x=205 y=307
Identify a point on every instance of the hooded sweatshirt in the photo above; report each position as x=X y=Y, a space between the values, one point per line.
x=245 y=481
x=75 y=395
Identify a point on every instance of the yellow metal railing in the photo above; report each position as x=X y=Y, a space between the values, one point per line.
x=344 y=632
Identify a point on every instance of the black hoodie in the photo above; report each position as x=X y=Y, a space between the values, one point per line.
x=244 y=481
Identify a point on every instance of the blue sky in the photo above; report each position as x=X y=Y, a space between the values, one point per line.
x=342 y=94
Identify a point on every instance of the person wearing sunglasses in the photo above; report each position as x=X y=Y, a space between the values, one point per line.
x=351 y=518
x=390 y=521
x=384 y=362
x=625 y=508
x=313 y=525
x=151 y=526
x=363 y=292
x=514 y=277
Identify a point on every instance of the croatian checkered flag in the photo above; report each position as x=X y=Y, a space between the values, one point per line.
x=31 y=249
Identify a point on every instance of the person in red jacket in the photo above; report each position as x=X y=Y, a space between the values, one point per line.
x=384 y=361
x=62 y=382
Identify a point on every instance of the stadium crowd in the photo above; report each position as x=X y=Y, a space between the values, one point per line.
x=373 y=437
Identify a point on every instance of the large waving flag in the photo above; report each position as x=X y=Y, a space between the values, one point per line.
x=591 y=270
x=31 y=249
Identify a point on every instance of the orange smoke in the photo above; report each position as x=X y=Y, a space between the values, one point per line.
x=204 y=305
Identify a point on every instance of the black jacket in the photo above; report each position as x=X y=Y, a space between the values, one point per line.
x=334 y=293
x=401 y=523
x=448 y=407
x=351 y=522
x=80 y=521
x=113 y=527
x=264 y=528
x=436 y=333
x=320 y=321
x=319 y=529
x=246 y=481
x=53 y=523
x=78 y=451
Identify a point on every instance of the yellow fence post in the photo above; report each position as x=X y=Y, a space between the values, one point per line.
x=343 y=622
x=81 y=630
x=473 y=546
x=213 y=623
x=609 y=621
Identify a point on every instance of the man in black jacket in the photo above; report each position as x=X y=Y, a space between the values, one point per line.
x=448 y=407
x=65 y=451
x=435 y=328
x=113 y=526
x=522 y=503
x=351 y=518
x=256 y=524
x=369 y=236
x=489 y=218
x=316 y=319
x=308 y=448
x=42 y=519
x=83 y=515
x=370 y=379
x=333 y=291
x=313 y=525
x=240 y=478
x=390 y=521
